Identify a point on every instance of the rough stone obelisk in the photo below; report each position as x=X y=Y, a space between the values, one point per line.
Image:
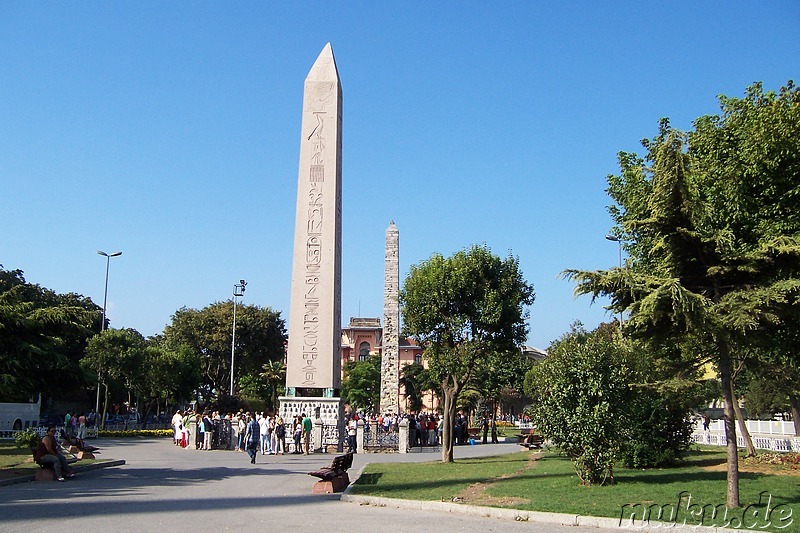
x=390 y=351
x=313 y=363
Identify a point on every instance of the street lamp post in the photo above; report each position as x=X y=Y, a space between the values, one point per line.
x=619 y=250
x=103 y=325
x=238 y=292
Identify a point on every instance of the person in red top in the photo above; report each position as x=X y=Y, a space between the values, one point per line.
x=47 y=454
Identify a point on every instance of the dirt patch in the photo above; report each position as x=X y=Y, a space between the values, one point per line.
x=756 y=468
x=476 y=493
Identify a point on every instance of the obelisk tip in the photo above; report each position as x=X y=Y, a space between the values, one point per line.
x=324 y=68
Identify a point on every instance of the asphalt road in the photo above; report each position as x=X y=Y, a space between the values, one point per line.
x=165 y=488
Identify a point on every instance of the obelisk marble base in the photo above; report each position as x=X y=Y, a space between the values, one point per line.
x=327 y=414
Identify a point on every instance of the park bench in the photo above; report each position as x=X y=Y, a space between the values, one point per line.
x=531 y=441
x=333 y=478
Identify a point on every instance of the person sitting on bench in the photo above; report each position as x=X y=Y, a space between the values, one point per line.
x=47 y=455
x=532 y=440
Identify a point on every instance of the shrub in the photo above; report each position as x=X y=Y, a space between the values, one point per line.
x=659 y=430
x=135 y=433
x=580 y=394
x=27 y=438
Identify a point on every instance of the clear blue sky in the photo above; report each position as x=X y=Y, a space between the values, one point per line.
x=170 y=131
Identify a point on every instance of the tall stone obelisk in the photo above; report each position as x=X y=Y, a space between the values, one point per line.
x=313 y=363
x=390 y=351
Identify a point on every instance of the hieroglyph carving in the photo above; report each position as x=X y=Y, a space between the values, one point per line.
x=318 y=98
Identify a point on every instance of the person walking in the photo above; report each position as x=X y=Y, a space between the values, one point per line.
x=252 y=437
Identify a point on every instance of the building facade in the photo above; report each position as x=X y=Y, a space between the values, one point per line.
x=363 y=337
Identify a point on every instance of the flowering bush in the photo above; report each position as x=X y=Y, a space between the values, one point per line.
x=135 y=433
x=789 y=460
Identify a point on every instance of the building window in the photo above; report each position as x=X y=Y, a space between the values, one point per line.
x=363 y=351
x=418 y=358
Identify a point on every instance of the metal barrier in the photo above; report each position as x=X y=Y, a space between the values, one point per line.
x=376 y=437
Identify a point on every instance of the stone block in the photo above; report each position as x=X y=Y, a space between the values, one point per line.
x=337 y=484
x=45 y=474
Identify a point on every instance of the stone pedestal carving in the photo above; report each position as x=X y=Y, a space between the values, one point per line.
x=329 y=412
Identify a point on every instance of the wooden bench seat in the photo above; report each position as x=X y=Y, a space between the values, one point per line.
x=333 y=478
x=531 y=441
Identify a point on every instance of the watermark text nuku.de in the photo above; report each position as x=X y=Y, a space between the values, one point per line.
x=686 y=513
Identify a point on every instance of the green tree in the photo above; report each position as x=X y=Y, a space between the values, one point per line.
x=464 y=310
x=168 y=374
x=361 y=386
x=274 y=375
x=502 y=376
x=713 y=237
x=416 y=381
x=260 y=337
x=116 y=355
x=42 y=335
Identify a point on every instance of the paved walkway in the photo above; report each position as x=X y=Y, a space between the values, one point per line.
x=165 y=488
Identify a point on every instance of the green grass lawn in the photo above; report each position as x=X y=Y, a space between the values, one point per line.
x=15 y=462
x=550 y=484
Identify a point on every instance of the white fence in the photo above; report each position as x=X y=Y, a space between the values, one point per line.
x=763 y=427
x=774 y=435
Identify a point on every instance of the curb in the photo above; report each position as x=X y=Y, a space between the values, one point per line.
x=560 y=519
x=76 y=469
x=517 y=515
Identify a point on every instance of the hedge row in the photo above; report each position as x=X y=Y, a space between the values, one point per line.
x=135 y=433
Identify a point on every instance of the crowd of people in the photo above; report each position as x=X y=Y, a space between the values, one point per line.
x=425 y=429
x=248 y=432
x=75 y=427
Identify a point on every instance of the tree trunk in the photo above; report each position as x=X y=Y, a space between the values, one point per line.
x=730 y=426
x=748 y=442
x=793 y=401
x=105 y=407
x=448 y=414
x=148 y=408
